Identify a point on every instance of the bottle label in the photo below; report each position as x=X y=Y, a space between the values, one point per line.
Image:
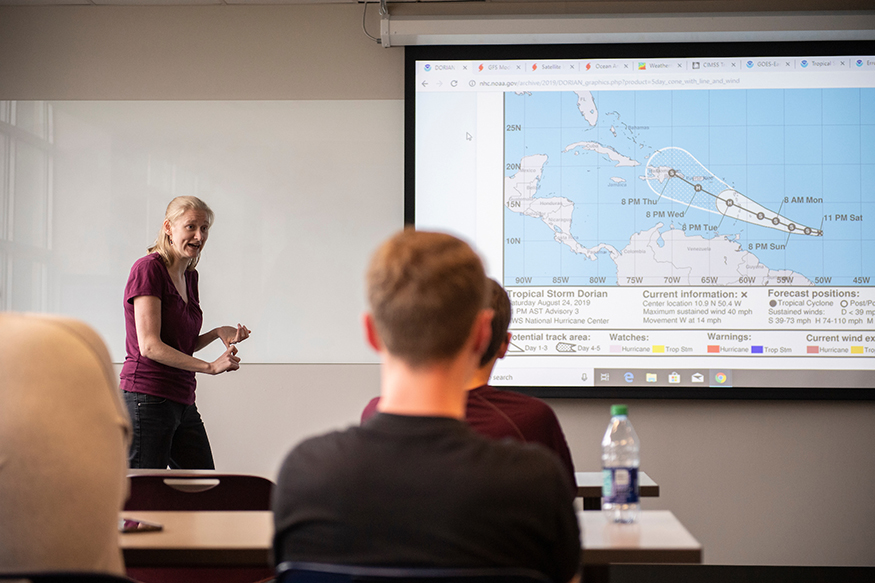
x=620 y=485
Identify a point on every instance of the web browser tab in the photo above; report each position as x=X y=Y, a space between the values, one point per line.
x=446 y=66
x=553 y=67
x=715 y=65
x=606 y=66
x=865 y=63
x=822 y=64
x=663 y=65
x=500 y=67
x=771 y=64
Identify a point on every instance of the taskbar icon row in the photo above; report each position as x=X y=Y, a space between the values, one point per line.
x=680 y=377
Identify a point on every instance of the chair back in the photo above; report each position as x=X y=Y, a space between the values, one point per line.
x=172 y=490
x=299 y=572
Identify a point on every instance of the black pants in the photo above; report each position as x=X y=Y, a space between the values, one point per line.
x=167 y=433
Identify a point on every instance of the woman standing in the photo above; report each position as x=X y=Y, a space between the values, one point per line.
x=163 y=320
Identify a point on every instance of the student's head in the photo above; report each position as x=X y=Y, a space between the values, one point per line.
x=500 y=305
x=179 y=209
x=425 y=292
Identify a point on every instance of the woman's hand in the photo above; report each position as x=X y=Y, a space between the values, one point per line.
x=227 y=362
x=230 y=335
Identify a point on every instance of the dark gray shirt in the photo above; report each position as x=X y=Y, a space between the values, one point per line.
x=425 y=491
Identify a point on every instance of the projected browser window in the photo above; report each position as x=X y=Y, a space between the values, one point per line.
x=689 y=222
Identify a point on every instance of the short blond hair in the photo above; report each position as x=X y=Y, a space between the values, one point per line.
x=178 y=207
x=425 y=291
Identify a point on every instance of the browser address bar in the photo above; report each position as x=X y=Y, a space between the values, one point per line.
x=611 y=83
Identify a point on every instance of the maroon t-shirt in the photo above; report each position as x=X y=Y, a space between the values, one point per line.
x=500 y=414
x=180 y=327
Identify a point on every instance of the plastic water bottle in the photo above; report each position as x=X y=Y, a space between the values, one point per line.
x=620 y=462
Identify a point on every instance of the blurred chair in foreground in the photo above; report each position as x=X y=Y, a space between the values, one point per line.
x=64 y=437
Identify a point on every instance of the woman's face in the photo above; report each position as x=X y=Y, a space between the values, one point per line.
x=188 y=233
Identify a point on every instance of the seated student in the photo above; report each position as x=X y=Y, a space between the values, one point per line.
x=415 y=485
x=500 y=414
x=64 y=438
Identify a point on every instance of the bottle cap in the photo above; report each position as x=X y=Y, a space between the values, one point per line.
x=619 y=410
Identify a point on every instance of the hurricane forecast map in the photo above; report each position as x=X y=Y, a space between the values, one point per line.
x=699 y=223
x=756 y=187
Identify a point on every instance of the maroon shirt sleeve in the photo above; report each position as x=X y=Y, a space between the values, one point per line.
x=145 y=280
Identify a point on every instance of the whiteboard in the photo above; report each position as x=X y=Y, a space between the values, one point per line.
x=303 y=191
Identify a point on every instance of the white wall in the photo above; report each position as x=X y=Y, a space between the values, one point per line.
x=302 y=191
x=756 y=482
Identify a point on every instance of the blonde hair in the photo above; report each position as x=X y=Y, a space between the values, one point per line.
x=425 y=291
x=178 y=207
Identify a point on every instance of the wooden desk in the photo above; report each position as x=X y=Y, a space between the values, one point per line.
x=240 y=539
x=658 y=537
x=589 y=487
x=244 y=538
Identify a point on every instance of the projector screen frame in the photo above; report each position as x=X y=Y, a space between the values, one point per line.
x=629 y=51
